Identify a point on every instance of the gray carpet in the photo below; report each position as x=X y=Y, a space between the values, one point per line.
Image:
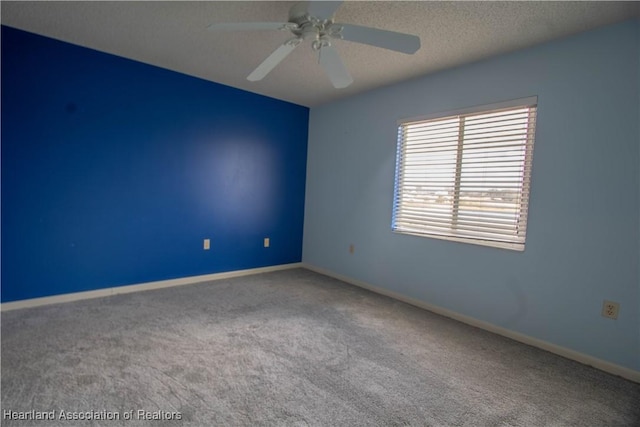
x=290 y=348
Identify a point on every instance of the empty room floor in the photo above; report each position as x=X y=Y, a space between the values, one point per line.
x=291 y=347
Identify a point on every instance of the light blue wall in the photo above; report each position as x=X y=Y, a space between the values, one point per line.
x=583 y=233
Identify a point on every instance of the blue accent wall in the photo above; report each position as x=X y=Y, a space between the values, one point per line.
x=114 y=171
x=583 y=235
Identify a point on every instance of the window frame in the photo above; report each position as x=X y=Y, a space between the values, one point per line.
x=526 y=102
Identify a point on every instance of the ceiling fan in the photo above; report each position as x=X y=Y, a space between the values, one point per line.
x=313 y=20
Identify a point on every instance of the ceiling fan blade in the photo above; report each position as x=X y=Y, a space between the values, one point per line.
x=334 y=67
x=248 y=26
x=274 y=59
x=323 y=9
x=400 y=42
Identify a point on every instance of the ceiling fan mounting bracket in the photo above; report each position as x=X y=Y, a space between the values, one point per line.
x=289 y=26
x=293 y=42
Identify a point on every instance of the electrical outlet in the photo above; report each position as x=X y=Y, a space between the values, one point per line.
x=206 y=244
x=610 y=309
x=352 y=248
x=267 y=242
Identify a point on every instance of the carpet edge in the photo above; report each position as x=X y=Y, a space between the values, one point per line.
x=585 y=359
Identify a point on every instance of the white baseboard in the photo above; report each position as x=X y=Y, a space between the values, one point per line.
x=603 y=365
x=76 y=296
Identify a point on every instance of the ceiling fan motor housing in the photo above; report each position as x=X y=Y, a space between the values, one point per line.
x=319 y=31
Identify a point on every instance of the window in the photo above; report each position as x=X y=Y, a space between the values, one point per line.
x=465 y=176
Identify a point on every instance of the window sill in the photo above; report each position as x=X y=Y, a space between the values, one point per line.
x=500 y=245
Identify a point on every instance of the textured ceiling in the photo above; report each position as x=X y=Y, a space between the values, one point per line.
x=174 y=35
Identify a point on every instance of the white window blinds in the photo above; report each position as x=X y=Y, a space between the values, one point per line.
x=466 y=177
